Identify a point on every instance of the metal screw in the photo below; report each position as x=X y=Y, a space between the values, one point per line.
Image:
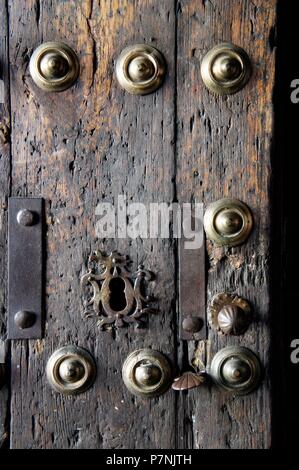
x=192 y=324
x=24 y=319
x=25 y=217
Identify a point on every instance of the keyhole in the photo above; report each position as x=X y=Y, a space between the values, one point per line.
x=117 y=296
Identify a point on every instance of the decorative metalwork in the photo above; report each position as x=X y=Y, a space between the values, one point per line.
x=54 y=66
x=236 y=369
x=116 y=293
x=188 y=380
x=229 y=314
x=71 y=370
x=226 y=69
x=191 y=379
x=140 y=69
x=147 y=373
x=228 y=222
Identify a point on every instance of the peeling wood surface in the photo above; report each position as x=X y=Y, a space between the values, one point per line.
x=76 y=149
x=227 y=140
x=93 y=142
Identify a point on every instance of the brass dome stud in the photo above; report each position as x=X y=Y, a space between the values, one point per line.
x=236 y=369
x=147 y=373
x=225 y=69
x=71 y=370
x=140 y=69
x=54 y=66
x=228 y=222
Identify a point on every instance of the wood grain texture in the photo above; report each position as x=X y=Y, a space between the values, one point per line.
x=76 y=149
x=95 y=142
x=224 y=150
x=4 y=192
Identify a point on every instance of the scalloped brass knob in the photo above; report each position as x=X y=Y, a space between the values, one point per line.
x=140 y=69
x=71 y=370
x=229 y=314
x=225 y=69
x=54 y=66
x=236 y=369
x=147 y=373
x=228 y=222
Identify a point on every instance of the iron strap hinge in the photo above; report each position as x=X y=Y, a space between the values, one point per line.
x=25 y=267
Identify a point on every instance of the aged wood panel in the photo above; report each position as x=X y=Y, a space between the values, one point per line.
x=76 y=149
x=223 y=150
x=4 y=191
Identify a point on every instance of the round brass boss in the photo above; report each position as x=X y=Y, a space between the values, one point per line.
x=71 y=370
x=140 y=69
x=225 y=69
x=147 y=373
x=236 y=369
x=54 y=66
x=228 y=222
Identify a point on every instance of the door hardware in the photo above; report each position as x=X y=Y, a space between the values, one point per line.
x=236 y=369
x=116 y=299
x=225 y=69
x=140 y=69
x=71 y=370
x=228 y=222
x=188 y=380
x=54 y=66
x=2 y=362
x=25 y=267
x=147 y=373
x=229 y=314
x=192 y=273
x=195 y=378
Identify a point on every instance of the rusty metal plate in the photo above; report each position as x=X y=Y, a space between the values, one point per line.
x=25 y=267
x=192 y=285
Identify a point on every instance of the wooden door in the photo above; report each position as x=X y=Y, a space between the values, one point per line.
x=94 y=142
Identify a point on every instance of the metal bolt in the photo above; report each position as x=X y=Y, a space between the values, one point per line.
x=24 y=319
x=71 y=370
x=148 y=374
x=192 y=324
x=25 y=217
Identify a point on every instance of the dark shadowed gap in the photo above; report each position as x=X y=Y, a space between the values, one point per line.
x=285 y=256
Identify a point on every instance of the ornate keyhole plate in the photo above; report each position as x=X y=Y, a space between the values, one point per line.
x=112 y=293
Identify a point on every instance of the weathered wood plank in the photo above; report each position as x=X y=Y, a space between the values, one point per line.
x=224 y=151
x=76 y=149
x=4 y=192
